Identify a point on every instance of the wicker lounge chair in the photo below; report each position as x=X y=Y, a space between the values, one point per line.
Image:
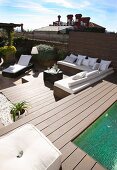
x=19 y=68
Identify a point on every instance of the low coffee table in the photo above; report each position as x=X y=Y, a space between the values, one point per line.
x=51 y=77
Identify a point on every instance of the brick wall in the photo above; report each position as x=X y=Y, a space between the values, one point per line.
x=101 y=45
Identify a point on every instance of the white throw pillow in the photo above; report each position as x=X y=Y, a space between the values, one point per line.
x=73 y=56
x=104 y=64
x=70 y=58
x=103 y=67
x=85 y=62
x=79 y=61
x=96 y=66
x=92 y=73
x=79 y=75
x=92 y=61
x=66 y=59
x=81 y=56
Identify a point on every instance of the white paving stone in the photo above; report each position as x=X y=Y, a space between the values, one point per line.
x=5 y=107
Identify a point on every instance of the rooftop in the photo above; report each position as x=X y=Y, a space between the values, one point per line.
x=53 y=28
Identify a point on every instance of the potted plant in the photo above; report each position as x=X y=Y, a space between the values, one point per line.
x=18 y=110
x=8 y=53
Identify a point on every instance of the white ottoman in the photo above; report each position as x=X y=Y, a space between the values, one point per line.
x=26 y=148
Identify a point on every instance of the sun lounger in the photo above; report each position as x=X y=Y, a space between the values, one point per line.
x=19 y=68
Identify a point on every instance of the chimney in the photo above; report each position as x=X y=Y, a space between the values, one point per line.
x=22 y=28
x=59 y=18
x=77 y=20
x=69 y=19
x=85 y=21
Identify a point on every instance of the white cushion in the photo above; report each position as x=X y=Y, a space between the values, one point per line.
x=96 y=66
x=77 y=81
x=73 y=56
x=24 y=60
x=66 y=59
x=92 y=73
x=92 y=61
x=14 y=69
x=79 y=61
x=73 y=65
x=26 y=148
x=103 y=67
x=85 y=76
x=70 y=58
x=104 y=64
x=85 y=62
x=63 y=84
x=81 y=56
x=79 y=75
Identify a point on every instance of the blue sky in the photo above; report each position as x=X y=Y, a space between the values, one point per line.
x=38 y=13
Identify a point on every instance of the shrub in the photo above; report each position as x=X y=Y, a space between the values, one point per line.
x=46 y=55
x=46 y=52
x=7 y=50
x=61 y=54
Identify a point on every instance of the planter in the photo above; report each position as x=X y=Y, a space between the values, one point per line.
x=18 y=116
x=9 y=58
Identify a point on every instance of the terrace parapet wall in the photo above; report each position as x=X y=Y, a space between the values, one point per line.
x=100 y=45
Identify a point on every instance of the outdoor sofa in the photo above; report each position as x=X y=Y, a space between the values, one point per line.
x=89 y=72
x=17 y=69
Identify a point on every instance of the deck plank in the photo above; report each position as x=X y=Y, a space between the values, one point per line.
x=98 y=167
x=86 y=164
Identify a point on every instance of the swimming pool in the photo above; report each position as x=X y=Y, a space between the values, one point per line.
x=100 y=139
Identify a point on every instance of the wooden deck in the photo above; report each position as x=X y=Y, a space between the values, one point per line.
x=65 y=119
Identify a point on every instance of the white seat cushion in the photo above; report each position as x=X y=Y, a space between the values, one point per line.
x=26 y=148
x=64 y=83
x=14 y=69
x=79 y=67
x=84 y=76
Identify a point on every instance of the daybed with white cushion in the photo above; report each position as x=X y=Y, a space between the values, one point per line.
x=64 y=87
x=19 y=68
x=26 y=148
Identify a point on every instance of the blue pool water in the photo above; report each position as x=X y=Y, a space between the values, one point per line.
x=100 y=139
